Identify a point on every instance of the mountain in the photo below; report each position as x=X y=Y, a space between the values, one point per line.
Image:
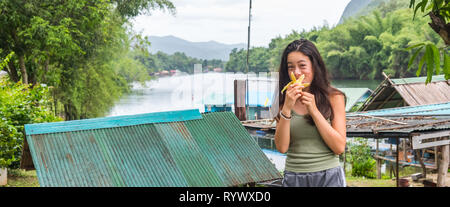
x=357 y=8
x=202 y=50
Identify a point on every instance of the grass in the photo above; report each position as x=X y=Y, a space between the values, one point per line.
x=364 y=182
x=22 y=178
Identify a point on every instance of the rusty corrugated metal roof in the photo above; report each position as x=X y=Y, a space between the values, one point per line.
x=393 y=93
x=399 y=122
x=183 y=148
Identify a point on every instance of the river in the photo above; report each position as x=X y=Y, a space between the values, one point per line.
x=185 y=91
x=193 y=91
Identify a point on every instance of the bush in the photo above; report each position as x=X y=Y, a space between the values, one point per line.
x=20 y=105
x=363 y=164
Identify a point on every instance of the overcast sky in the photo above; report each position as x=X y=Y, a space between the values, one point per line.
x=226 y=21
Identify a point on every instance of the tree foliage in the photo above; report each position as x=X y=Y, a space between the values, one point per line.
x=178 y=61
x=72 y=58
x=439 y=13
x=360 y=48
x=363 y=164
x=20 y=105
x=84 y=49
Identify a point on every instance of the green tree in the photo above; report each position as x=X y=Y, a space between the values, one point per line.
x=237 y=61
x=80 y=48
x=363 y=164
x=20 y=105
x=439 y=13
x=259 y=60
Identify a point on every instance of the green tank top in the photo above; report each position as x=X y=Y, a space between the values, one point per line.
x=307 y=151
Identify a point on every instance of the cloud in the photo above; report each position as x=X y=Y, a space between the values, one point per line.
x=226 y=21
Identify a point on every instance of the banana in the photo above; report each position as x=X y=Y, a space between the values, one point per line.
x=294 y=80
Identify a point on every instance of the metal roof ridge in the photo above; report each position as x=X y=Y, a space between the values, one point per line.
x=111 y=122
x=402 y=108
x=418 y=80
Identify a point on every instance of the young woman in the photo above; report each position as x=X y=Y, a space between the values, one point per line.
x=311 y=124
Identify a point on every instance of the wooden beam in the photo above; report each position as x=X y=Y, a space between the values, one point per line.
x=392 y=100
x=400 y=103
x=434 y=167
x=387 y=99
x=384 y=119
x=380 y=88
x=418 y=140
x=387 y=78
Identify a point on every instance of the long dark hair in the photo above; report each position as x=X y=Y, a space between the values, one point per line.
x=320 y=86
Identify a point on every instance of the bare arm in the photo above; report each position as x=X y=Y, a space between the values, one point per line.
x=333 y=135
x=282 y=133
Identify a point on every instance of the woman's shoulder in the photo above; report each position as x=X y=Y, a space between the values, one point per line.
x=337 y=97
x=335 y=93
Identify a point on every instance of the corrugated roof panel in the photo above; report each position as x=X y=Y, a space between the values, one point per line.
x=105 y=158
x=156 y=153
x=435 y=78
x=215 y=150
x=421 y=94
x=187 y=155
x=431 y=109
x=231 y=127
x=114 y=121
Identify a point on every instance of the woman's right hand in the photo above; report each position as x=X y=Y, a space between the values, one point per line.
x=292 y=95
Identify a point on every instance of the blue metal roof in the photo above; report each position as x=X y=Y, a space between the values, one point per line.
x=432 y=109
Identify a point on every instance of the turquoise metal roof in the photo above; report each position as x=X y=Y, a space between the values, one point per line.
x=181 y=148
x=108 y=122
x=422 y=79
x=431 y=109
x=355 y=95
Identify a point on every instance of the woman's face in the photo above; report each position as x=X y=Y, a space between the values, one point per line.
x=299 y=64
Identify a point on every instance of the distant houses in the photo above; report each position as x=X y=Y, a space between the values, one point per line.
x=175 y=71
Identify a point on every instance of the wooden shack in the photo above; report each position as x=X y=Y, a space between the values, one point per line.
x=400 y=92
x=425 y=126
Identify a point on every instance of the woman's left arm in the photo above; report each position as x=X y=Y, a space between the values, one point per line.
x=333 y=135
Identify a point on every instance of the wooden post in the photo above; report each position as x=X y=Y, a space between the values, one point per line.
x=422 y=164
x=390 y=164
x=405 y=153
x=239 y=99
x=436 y=153
x=378 y=162
x=443 y=166
x=3 y=176
x=345 y=157
x=396 y=158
